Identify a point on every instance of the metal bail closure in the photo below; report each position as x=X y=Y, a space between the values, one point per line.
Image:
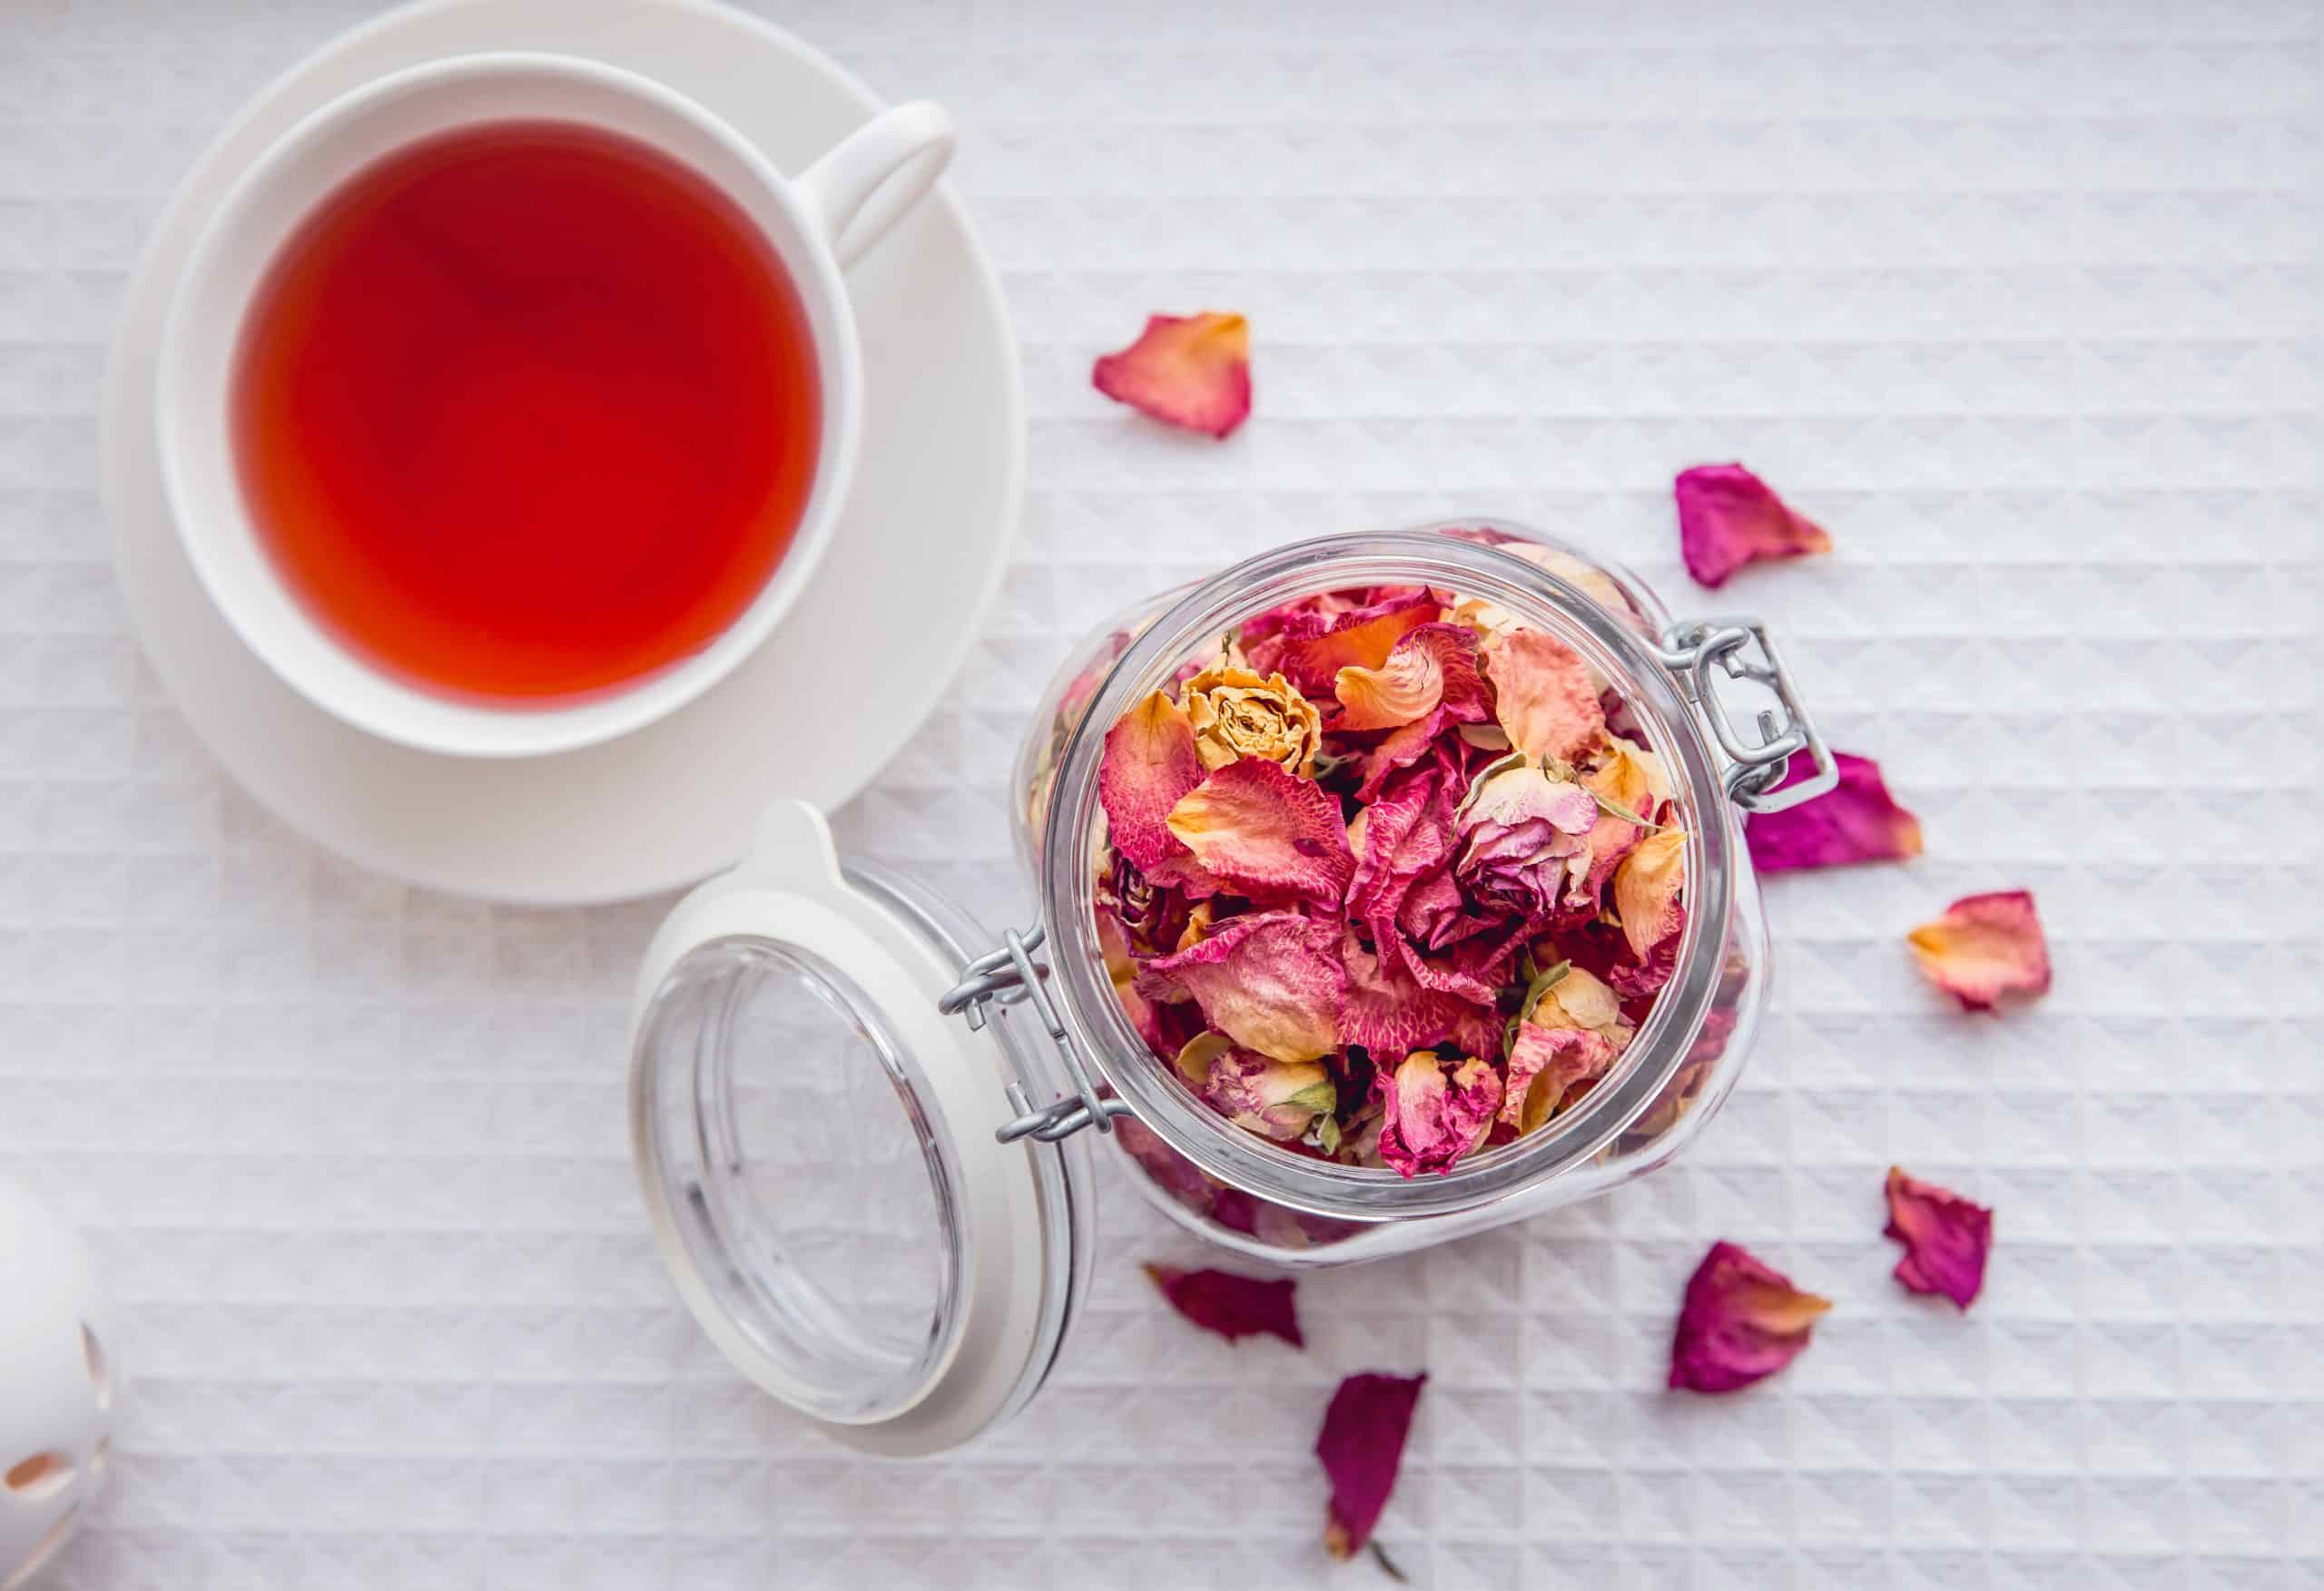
x=1007 y=976
x=1741 y=649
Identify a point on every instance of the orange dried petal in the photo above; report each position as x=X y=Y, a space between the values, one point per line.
x=1985 y=946
x=1647 y=887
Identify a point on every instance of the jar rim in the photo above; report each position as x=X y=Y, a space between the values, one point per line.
x=1424 y=555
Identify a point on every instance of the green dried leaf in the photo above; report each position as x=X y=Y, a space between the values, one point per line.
x=1328 y=1134
x=1319 y=1098
x=1541 y=985
x=1616 y=809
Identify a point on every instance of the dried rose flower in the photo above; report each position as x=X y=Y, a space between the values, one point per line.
x=1946 y=1238
x=1985 y=946
x=1361 y=1447
x=1233 y=1306
x=1438 y=1110
x=1728 y=517
x=1236 y=713
x=1740 y=1322
x=1193 y=371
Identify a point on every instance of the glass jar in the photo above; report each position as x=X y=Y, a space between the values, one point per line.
x=862 y=1130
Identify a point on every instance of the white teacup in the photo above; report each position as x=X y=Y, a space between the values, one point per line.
x=818 y=223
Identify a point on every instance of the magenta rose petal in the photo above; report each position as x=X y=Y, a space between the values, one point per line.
x=1270 y=981
x=1858 y=820
x=1361 y=1447
x=1150 y=763
x=1740 y=1322
x=1192 y=371
x=1233 y=1306
x=1728 y=517
x=1945 y=1236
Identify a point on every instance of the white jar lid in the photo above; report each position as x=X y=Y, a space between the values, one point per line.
x=816 y=1145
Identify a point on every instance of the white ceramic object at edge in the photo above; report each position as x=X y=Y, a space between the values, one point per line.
x=816 y=223
x=913 y=562
x=59 y=1385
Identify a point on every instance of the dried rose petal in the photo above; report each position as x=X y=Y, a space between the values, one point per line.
x=1265 y=833
x=1360 y=638
x=1545 y=1065
x=1360 y=1446
x=1646 y=887
x=1578 y=999
x=1189 y=371
x=1985 y=946
x=1385 y=1009
x=1543 y=696
x=1234 y=1306
x=1855 y=821
x=1728 y=517
x=1433 y=664
x=1150 y=762
x=1433 y=1119
x=1946 y=1238
x=1269 y=981
x=1408 y=833
x=1741 y=1322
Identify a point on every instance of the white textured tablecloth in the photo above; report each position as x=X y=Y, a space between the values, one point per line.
x=2020 y=298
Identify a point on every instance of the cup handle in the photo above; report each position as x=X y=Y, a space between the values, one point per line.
x=864 y=184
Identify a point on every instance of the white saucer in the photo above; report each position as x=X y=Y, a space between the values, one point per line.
x=914 y=561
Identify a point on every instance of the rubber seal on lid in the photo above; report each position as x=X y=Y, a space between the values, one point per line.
x=815 y=1144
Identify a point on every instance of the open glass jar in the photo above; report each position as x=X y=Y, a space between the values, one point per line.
x=862 y=1123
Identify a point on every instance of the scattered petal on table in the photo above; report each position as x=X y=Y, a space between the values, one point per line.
x=1985 y=946
x=1193 y=371
x=1946 y=1238
x=1741 y=1322
x=1360 y=1446
x=1858 y=820
x=1728 y=517
x=1231 y=1305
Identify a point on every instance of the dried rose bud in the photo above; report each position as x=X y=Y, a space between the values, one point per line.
x=1238 y=713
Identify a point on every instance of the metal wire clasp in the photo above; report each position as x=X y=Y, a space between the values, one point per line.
x=1690 y=650
x=1008 y=976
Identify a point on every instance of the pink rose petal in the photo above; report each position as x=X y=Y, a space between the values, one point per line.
x=1193 y=371
x=1360 y=1446
x=1270 y=981
x=1233 y=1306
x=1386 y=1011
x=1855 y=821
x=1728 y=517
x=1946 y=1238
x=1433 y=1118
x=1741 y=1322
x=1266 y=833
x=1433 y=664
x=1543 y=696
x=1985 y=946
x=1546 y=1065
x=1150 y=763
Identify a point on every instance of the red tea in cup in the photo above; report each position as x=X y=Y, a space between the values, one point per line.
x=526 y=410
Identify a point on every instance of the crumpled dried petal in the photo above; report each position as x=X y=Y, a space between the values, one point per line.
x=1543 y=696
x=1433 y=1119
x=1236 y=713
x=1150 y=762
x=1580 y=999
x=1646 y=889
x=1408 y=833
x=1269 y=981
x=1360 y=1446
x=1433 y=664
x=1192 y=371
x=1385 y=1009
x=1276 y=1099
x=1312 y=653
x=1547 y=1065
x=1728 y=517
x=1946 y=1238
x=1741 y=1322
x=1267 y=834
x=1985 y=946
x=1855 y=822
x=1231 y=1305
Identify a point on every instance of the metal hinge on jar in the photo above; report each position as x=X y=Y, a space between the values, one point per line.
x=1741 y=649
x=1012 y=976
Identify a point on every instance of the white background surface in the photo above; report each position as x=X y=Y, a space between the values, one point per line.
x=2021 y=300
